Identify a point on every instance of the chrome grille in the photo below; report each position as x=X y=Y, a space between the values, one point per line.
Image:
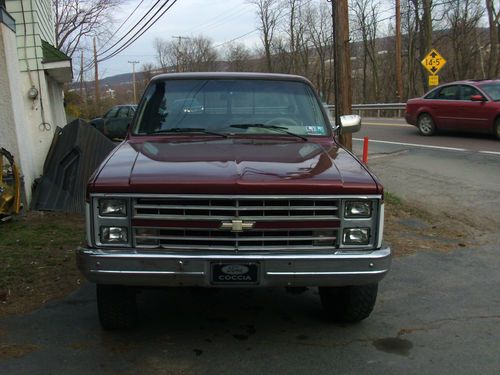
x=203 y=239
x=155 y=216
x=247 y=208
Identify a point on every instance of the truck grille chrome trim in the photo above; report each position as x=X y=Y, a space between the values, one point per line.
x=253 y=240
x=228 y=208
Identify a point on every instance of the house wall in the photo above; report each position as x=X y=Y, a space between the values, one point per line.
x=13 y=134
x=35 y=131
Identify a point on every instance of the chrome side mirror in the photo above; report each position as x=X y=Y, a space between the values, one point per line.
x=350 y=124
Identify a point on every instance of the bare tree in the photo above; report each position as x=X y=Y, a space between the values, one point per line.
x=238 y=58
x=192 y=54
x=366 y=22
x=463 y=19
x=494 y=31
x=77 y=19
x=319 y=29
x=268 y=12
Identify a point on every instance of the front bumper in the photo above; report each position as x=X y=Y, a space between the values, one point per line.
x=168 y=269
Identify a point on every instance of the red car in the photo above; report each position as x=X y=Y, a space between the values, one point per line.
x=472 y=106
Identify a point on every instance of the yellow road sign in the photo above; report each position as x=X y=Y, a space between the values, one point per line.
x=433 y=62
x=433 y=80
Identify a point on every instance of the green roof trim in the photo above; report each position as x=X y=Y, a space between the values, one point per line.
x=52 y=54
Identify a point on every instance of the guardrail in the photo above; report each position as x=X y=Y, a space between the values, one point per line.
x=381 y=109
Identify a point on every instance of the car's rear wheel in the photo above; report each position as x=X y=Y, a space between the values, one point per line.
x=116 y=306
x=496 y=129
x=425 y=124
x=349 y=303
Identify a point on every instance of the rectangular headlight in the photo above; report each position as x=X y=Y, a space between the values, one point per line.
x=114 y=235
x=112 y=207
x=356 y=236
x=358 y=209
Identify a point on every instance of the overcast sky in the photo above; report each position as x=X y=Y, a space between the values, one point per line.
x=220 y=20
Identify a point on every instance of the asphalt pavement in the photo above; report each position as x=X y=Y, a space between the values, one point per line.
x=437 y=312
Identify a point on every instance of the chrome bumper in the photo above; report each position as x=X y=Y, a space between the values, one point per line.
x=168 y=269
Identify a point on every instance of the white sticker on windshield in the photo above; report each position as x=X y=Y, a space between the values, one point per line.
x=315 y=130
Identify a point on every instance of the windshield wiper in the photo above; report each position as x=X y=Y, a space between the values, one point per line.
x=188 y=130
x=281 y=129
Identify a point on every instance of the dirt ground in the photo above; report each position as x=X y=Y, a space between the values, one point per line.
x=37 y=251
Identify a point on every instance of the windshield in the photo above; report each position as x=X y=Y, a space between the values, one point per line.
x=493 y=90
x=228 y=106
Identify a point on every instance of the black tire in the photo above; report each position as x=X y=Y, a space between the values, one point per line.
x=496 y=129
x=426 y=125
x=349 y=304
x=116 y=306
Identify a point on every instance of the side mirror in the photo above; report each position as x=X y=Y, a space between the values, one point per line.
x=350 y=123
x=478 y=98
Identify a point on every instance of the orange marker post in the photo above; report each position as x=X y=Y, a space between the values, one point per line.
x=365 y=150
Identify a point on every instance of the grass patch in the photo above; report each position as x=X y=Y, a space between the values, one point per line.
x=37 y=259
x=410 y=229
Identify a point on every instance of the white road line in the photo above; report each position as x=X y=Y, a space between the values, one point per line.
x=490 y=152
x=383 y=124
x=415 y=145
x=429 y=146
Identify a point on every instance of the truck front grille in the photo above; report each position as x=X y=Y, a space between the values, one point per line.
x=193 y=223
x=248 y=208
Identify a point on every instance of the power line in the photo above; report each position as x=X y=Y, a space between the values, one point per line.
x=137 y=24
x=145 y=27
x=140 y=32
x=119 y=28
x=257 y=29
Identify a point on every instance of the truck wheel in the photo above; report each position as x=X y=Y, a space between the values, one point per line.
x=349 y=303
x=116 y=306
x=425 y=124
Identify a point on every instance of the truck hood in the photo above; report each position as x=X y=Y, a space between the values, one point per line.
x=232 y=166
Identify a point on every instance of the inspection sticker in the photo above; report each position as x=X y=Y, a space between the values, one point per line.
x=315 y=130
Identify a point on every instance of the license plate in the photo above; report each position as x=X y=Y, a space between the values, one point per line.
x=235 y=273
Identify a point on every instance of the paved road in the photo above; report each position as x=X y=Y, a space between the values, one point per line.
x=453 y=175
x=437 y=312
x=398 y=131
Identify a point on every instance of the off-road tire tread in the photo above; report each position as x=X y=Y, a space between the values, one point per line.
x=349 y=304
x=116 y=306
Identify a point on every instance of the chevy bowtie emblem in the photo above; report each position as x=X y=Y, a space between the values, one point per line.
x=237 y=225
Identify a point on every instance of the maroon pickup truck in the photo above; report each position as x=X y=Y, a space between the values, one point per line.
x=234 y=180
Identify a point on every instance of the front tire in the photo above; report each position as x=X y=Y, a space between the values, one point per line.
x=426 y=125
x=349 y=304
x=116 y=306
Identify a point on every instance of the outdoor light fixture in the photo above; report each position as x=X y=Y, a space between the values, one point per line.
x=32 y=93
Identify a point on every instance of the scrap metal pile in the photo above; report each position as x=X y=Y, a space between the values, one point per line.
x=10 y=186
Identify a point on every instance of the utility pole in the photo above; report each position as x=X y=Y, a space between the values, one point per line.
x=96 y=81
x=179 y=38
x=133 y=78
x=399 y=78
x=342 y=53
